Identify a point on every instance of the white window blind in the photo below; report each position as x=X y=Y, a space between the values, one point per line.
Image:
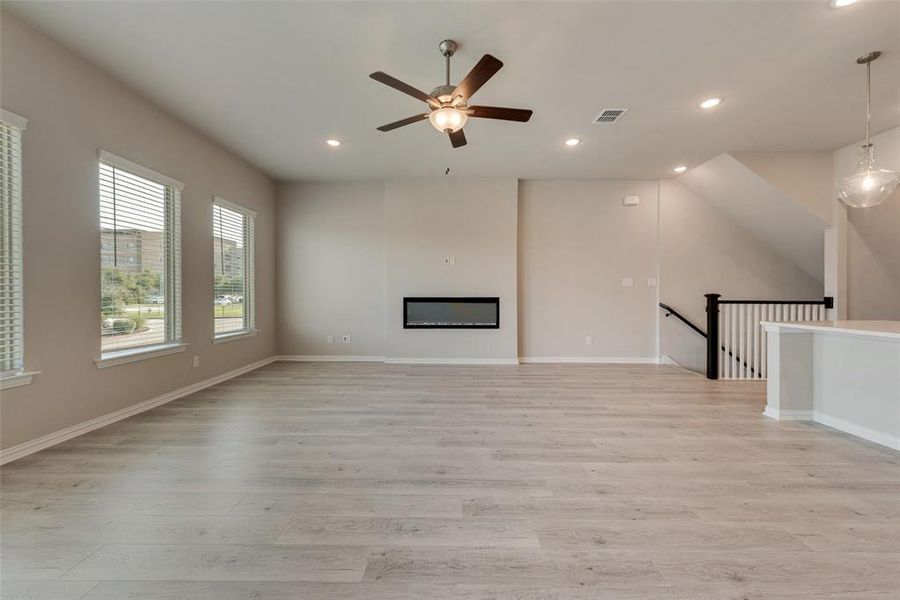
x=233 y=260
x=140 y=257
x=11 y=306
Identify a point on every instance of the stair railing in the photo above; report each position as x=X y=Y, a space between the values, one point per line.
x=735 y=340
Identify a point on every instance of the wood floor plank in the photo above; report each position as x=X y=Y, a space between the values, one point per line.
x=220 y=562
x=45 y=590
x=245 y=590
x=404 y=532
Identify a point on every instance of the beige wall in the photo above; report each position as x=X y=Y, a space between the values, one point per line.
x=73 y=110
x=331 y=269
x=475 y=222
x=576 y=243
x=804 y=177
x=349 y=252
x=873 y=239
x=704 y=251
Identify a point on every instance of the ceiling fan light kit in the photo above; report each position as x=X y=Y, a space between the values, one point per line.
x=868 y=185
x=448 y=104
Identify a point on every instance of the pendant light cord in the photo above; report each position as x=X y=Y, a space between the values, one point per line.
x=868 y=100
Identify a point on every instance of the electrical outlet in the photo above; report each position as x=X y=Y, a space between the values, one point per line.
x=330 y=339
x=196 y=361
x=627 y=282
x=346 y=339
x=651 y=282
x=588 y=340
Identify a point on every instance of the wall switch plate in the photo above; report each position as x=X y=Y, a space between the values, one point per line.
x=651 y=282
x=627 y=282
x=452 y=260
x=196 y=361
x=330 y=339
x=588 y=340
x=346 y=339
x=631 y=200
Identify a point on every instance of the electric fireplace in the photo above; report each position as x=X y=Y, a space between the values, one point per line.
x=451 y=313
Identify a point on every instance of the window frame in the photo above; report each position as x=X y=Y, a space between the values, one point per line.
x=173 y=341
x=249 y=293
x=16 y=376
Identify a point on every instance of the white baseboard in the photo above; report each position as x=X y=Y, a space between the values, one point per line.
x=328 y=358
x=788 y=415
x=24 y=449
x=600 y=360
x=451 y=361
x=866 y=433
x=860 y=431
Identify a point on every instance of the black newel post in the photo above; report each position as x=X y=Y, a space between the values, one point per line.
x=712 y=336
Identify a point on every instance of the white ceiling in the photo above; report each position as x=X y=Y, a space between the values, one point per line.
x=272 y=80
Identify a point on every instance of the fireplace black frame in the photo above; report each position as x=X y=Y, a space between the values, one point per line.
x=470 y=299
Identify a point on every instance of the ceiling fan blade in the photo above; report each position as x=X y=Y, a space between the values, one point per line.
x=403 y=87
x=458 y=139
x=402 y=122
x=498 y=112
x=480 y=73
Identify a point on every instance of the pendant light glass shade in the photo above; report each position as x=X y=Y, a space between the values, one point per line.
x=867 y=185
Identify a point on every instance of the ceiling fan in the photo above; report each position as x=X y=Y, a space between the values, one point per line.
x=449 y=105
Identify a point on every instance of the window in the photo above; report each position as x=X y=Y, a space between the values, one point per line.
x=140 y=258
x=12 y=355
x=233 y=258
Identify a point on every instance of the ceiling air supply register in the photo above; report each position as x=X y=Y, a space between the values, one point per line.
x=451 y=313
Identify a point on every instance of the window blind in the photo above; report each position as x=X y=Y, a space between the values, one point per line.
x=140 y=259
x=234 y=262
x=11 y=305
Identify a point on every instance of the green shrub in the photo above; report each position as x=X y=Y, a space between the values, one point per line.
x=122 y=325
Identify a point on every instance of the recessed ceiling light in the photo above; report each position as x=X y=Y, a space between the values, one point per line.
x=572 y=142
x=333 y=142
x=842 y=3
x=711 y=103
x=680 y=169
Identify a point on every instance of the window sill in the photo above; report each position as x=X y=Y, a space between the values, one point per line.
x=18 y=379
x=121 y=357
x=237 y=335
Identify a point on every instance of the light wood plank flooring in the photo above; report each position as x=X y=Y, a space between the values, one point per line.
x=384 y=482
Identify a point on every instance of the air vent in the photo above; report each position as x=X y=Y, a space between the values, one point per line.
x=610 y=115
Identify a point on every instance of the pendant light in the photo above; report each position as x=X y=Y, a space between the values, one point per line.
x=867 y=185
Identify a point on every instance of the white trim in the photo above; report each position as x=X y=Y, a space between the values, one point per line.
x=328 y=358
x=130 y=355
x=140 y=170
x=17 y=379
x=865 y=328
x=633 y=360
x=451 y=361
x=235 y=207
x=861 y=431
x=13 y=119
x=236 y=335
x=30 y=447
x=788 y=415
x=668 y=361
